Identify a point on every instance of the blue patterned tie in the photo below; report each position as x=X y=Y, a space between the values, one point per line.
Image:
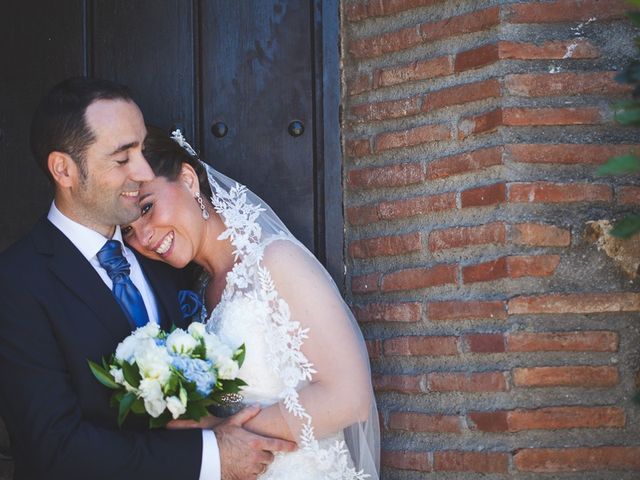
x=128 y=296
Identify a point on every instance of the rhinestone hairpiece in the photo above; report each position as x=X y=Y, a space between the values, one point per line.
x=177 y=137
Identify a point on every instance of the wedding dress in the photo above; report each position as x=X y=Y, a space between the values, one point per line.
x=297 y=330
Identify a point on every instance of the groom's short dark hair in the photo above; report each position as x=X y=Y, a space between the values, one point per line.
x=59 y=122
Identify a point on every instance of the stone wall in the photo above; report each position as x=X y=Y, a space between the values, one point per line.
x=503 y=341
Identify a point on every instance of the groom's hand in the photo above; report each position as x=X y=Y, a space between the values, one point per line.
x=245 y=455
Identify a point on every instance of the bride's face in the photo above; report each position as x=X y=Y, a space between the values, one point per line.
x=170 y=226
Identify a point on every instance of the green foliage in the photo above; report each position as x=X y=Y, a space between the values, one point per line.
x=627 y=113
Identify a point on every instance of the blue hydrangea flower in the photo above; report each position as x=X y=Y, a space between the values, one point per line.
x=197 y=371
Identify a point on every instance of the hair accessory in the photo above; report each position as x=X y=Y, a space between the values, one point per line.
x=177 y=137
x=202 y=206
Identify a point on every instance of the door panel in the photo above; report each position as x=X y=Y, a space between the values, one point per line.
x=257 y=73
x=149 y=46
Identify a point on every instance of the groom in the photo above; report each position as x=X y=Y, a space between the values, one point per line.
x=57 y=310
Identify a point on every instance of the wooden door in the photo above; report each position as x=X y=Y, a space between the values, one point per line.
x=254 y=66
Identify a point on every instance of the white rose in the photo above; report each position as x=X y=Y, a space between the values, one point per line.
x=227 y=369
x=176 y=407
x=126 y=349
x=150 y=330
x=181 y=342
x=151 y=392
x=197 y=330
x=216 y=350
x=154 y=362
x=117 y=374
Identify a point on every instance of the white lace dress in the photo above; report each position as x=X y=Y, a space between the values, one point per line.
x=275 y=368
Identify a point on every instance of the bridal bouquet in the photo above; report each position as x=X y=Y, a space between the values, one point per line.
x=170 y=375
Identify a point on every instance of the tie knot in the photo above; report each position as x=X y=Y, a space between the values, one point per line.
x=111 y=259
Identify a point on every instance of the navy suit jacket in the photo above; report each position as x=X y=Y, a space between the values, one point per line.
x=55 y=314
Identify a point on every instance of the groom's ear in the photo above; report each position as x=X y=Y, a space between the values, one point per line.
x=63 y=169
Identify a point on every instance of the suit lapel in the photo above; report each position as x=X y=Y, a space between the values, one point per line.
x=79 y=276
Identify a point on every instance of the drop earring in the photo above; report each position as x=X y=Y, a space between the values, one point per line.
x=202 y=206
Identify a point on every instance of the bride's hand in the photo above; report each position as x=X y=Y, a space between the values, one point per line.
x=205 y=423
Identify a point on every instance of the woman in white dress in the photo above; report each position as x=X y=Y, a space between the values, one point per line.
x=306 y=362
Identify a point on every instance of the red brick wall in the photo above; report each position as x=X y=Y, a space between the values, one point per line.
x=502 y=341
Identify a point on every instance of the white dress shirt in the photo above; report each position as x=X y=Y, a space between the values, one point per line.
x=89 y=242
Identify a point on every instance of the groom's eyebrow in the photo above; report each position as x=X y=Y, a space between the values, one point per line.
x=124 y=148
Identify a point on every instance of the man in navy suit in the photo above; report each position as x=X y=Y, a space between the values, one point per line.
x=57 y=310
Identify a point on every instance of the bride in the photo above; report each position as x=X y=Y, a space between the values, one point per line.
x=306 y=362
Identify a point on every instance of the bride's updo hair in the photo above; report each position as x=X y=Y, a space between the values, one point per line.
x=166 y=157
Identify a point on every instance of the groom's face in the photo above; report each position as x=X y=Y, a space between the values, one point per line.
x=115 y=167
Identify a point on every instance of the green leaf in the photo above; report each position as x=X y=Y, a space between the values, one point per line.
x=626 y=227
x=159 y=422
x=103 y=376
x=635 y=16
x=628 y=116
x=131 y=374
x=137 y=407
x=196 y=410
x=125 y=406
x=620 y=165
x=240 y=354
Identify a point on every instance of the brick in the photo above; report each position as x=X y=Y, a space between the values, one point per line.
x=467 y=162
x=511 y=267
x=563 y=84
x=420 y=346
x=380 y=8
x=417 y=278
x=374 y=348
x=548 y=460
x=417 y=206
x=567 y=154
x=489 y=421
x=532 y=266
x=417 y=461
x=360 y=147
x=551 y=116
x=629 y=195
x=411 y=137
x=485 y=342
x=467 y=382
x=386 y=177
x=468 y=310
x=476 y=58
x=540 y=235
x=565 y=11
x=389 y=42
x=413 y=72
x=477 y=21
x=385 y=246
x=554 y=50
x=580 y=341
x=365 y=283
x=398 y=383
x=462 y=237
x=546 y=192
x=578 y=376
x=420 y=422
x=575 y=303
x=359 y=84
x=389 y=312
x=460 y=95
x=405 y=107
x=480 y=462
x=478 y=124
x=484 y=196
x=555 y=418
x=363 y=214
x=486 y=271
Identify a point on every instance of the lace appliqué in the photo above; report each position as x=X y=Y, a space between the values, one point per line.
x=284 y=336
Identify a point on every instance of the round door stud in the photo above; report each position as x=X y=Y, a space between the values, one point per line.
x=219 y=129
x=296 y=128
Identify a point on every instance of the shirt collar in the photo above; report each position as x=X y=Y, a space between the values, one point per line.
x=88 y=241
